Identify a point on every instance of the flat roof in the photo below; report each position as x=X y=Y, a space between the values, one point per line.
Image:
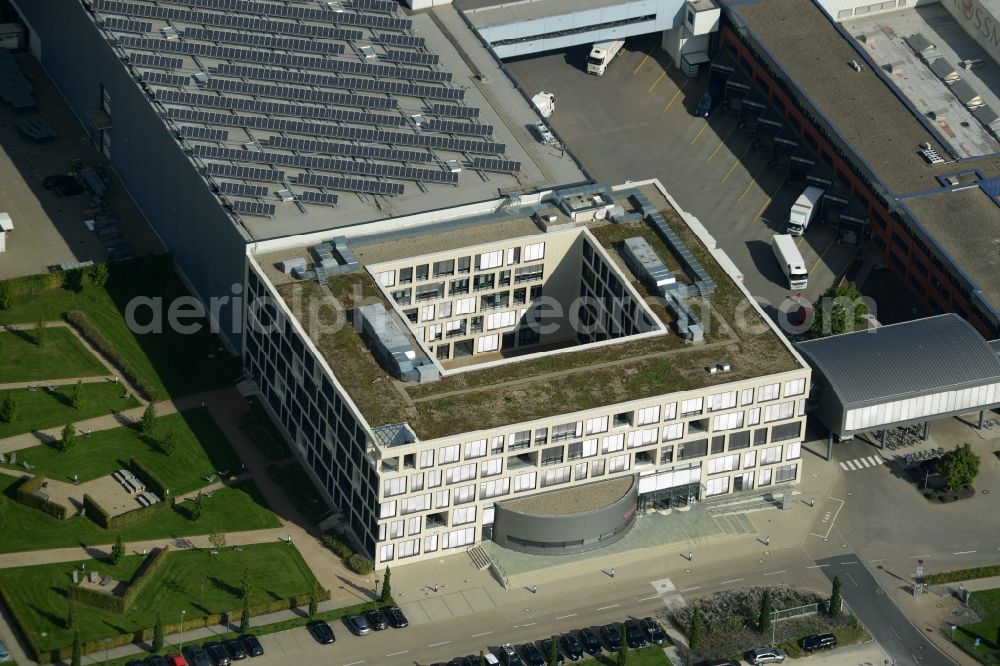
x=578 y=499
x=323 y=103
x=876 y=124
x=487 y=13
x=563 y=381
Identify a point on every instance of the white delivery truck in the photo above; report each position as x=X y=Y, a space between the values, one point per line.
x=545 y=102
x=804 y=210
x=602 y=54
x=791 y=261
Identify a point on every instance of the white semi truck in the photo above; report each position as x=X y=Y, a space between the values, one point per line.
x=791 y=261
x=803 y=210
x=601 y=56
x=545 y=102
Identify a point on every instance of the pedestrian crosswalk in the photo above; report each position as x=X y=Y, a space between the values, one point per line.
x=862 y=463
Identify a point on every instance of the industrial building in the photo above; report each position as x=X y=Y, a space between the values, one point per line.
x=531 y=370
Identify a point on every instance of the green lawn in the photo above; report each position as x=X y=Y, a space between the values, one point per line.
x=61 y=356
x=987 y=604
x=236 y=508
x=42 y=409
x=201 y=450
x=192 y=580
x=299 y=489
x=176 y=364
x=651 y=655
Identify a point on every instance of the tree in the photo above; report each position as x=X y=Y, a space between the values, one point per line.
x=197 y=507
x=482 y=658
x=839 y=310
x=764 y=621
x=386 y=587
x=168 y=443
x=6 y=297
x=79 y=395
x=246 y=587
x=835 y=598
x=40 y=333
x=9 y=410
x=118 y=550
x=554 y=653
x=148 y=420
x=68 y=440
x=99 y=275
x=959 y=467
x=217 y=538
x=75 y=659
x=623 y=653
x=694 y=635
x=158 y=634
x=71 y=616
x=313 y=601
x=245 y=616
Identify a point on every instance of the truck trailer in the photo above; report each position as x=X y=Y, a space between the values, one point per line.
x=601 y=55
x=803 y=211
x=791 y=262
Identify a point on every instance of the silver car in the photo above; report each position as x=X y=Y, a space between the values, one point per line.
x=767 y=655
x=4 y=652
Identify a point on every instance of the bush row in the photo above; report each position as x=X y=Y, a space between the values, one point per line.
x=341 y=547
x=155 y=561
x=26 y=496
x=101 y=600
x=149 y=478
x=30 y=285
x=81 y=322
x=962 y=574
x=12 y=609
x=95 y=511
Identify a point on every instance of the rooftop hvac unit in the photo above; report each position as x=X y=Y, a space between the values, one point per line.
x=285 y=195
x=200 y=78
x=930 y=154
x=169 y=33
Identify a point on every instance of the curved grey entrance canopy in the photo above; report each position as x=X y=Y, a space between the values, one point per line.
x=904 y=373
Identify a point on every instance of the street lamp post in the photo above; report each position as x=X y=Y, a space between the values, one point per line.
x=181 y=645
x=107 y=646
x=376 y=587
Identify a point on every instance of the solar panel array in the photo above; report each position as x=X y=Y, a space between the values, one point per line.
x=334 y=117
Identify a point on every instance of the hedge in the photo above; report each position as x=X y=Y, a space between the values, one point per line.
x=81 y=322
x=105 y=601
x=20 y=622
x=26 y=495
x=30 y=285
x=155 y=561
x=95 y=511
x=962 y=574
x=148 y=478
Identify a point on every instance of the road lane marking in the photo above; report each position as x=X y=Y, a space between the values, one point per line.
x=917 y=557
x=563 y=617
x=726 y=582
x=657 y=81
x=643 y=61
x=846 y=563
x=964 y=552
x=881 y=559
x=355 y=663
x=607 y=607
x=485 y=633
x=775 y=573
x=852 y=579
x=527 y=624
x=688 y=589
x=703 y=128
x=674 y=98
x=396 y=654
x=817 y=566
x=437 y=644
x=648 y=598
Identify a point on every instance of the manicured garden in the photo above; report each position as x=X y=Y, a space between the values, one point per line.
x=59 y=356
x=238 y=507
x=199 y=451
x=986 y=603
x=651 y=655
x=43 y=409
x=191 y=580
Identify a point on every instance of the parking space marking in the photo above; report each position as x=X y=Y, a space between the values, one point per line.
x=657 y=81
x=828 y=246
x=964 y=552
x=648 y=598
x=763 y=208
x=437 y=644
x=753 y=181
x=643 y=61
x=775 y=573
x=485 y=633
x=676 y=94
x=735 y=580
x=607 y=607
x=355 y=663
x=736 y=163
x=563 y=617
x=831 y=519
x=704 y=127
x=722 y=143
x=396 y=654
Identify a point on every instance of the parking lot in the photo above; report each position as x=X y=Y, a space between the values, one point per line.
x=637 y=122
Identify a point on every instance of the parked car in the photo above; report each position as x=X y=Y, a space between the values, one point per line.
x=490 y=658
x=176 y=660
x=252 y=645
x=235 y=648
x=134 y=662
x=4 y=652
x=818 y=642
x=612 y=637
x=532 y=655
x=634 y=635
x=154 y=660
x=358 y=625
x=376 y=619
x=321 y=631
x=654 y=631
x=509 y=655
x=547 y=651
x=571 y=647
x=217 y=653
x=766 y=655
x=590 y=642
x=196 y=656
x=717 y=662
x=396 y=617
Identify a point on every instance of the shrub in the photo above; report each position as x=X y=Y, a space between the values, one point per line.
x=149 y=479
x=148 y=421
x=26 y=495
x=68 y=439
x=360 y=564
x=95 y=511
x=6 y=297
x=9 y=410
x=338 y=546
x=118 y=550
x=81 y=322
x=962 y=574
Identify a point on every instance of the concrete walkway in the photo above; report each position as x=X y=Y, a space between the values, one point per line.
x=65 y=381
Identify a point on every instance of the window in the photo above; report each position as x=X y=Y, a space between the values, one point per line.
x=785 y=473
x=409 y=548
x=528 y=273
x=670 y=411
x=622 y=420
x=718 y=444
x=411 y=314
x=394 y=487
x=488 y=343
x=768 y=392
x=496 y=445
x=476 y=449
x=446 y=267
x=794 y=451
x=456 y=287
x=534 y=252
x=750 y=459
x=739 y=440
x=414 y=525
x=718 y=486
x=520 y=440
x=430 y=543
x=427 y=313
x=596 y=425
x=448 y=454
x=395 y=529
x=417 y=482
x=786 y=431
x=649 y=415
x=795 y=387
x=434 y=478
x=386 y=278
x=618 y=463
x=643 y=437
x=764 y=477
x=513 y=256
x=691 y=406
x=405 y=275
x=724 y=464
x=553 y=477
x=387 y=509
x=731 y=421
x=385 y=552
x=414 y=504
x=784 y=410
x=488 y=260
x=463 y=516
x=580 y=471
x=106 y=143
x=693 y=449
x=429 y=292
x=566 y=431
x=458 y=538
x=746 y=396
x=721 y=401
x=442 y=498
x=483 y=282
x=673 y=431
x=770 y=455
x=426 y=459
x=760 y=436
x=753 y=416
x=460 y=473
x=444 y=310
x=500 y=320
x=463 y=264
x=435 y=332
x=589 y=448
x=491 y=467
x=465 y=306
x=494 y=488
x=524 y=482
x=613 y=443
x=597 y=468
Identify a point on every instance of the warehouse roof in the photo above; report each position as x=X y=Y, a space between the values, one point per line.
x=908 y=359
